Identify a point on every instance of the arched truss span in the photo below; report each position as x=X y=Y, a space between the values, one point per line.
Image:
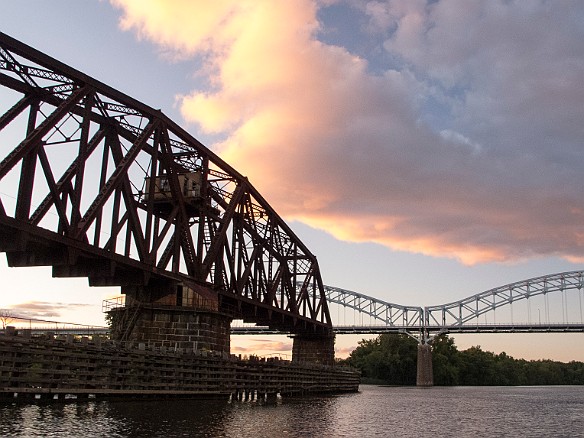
x=99 y=185
x=391 y=315
x=469 y=309
x=464 y=315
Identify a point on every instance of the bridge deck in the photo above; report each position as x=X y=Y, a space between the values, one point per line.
x=484 y=328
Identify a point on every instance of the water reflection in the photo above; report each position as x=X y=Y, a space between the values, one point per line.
x=374 y=412
x=114 y=418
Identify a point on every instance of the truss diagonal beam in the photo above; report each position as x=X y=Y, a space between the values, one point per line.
x=160 y=207
x=35 y=137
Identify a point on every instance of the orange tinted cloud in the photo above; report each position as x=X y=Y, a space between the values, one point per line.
x=263 y=347
x=42 y=309
x=331 y=144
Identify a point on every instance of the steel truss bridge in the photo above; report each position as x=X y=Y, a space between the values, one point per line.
x=96 y=184
x=550 y=303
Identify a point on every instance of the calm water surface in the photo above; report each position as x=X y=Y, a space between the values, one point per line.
x=373 y=412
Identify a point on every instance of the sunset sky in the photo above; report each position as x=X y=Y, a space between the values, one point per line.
x=424 y=150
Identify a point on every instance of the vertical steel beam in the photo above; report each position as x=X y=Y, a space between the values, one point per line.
x=27 y=170
x=82 y=157
x=114 y=180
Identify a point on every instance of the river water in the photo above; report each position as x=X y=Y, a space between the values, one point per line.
x=373 y=412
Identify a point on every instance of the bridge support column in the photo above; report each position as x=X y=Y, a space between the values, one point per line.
x=314 y=348
x=425 y=376
x=176 y=317
x=179 y=329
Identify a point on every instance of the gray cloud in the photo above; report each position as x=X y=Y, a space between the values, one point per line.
x=42 y=309
x=467 y=146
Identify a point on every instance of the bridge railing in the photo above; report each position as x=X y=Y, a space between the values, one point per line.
x=35 y=326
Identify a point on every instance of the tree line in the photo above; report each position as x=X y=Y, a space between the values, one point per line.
x=391 y=359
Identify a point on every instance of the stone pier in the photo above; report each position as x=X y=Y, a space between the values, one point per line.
x=180 y=329
x=425 y=376
x=176 y=317
x=314 y=348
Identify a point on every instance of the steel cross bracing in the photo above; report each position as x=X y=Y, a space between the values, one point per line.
x=389 y=314
x=97 y=184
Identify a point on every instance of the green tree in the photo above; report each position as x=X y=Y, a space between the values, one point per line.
x=445 y=361
x=389 y=358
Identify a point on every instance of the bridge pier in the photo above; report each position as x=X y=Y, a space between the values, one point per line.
x=180 y=329
x=314 y=348
x=425 y=374
x=173 y=322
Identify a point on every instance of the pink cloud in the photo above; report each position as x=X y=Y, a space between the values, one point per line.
x=357 y=154
x=42 y=309
x=261 y=347
x=344 y=352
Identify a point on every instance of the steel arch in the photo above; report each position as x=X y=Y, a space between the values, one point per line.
x=392 y=315
x=457 y=313
x=425 y=322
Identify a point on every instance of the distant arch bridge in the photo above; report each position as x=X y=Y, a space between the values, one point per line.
x=549 y=303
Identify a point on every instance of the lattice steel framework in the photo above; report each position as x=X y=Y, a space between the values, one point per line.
x=97 y=184
x=468 y=310
x=388 y=314
x=459 y=316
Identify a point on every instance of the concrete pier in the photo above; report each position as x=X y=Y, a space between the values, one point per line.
x=425 y=375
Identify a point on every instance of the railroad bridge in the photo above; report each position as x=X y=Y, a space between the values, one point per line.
x=96 y=184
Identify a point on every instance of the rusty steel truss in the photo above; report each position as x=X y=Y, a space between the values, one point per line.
x=99 y=185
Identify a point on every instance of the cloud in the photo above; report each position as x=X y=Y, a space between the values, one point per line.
x=42 y=309
x=467 y=145
x=344 y=352
x=260 y=347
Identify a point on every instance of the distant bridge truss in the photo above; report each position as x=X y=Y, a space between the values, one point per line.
x=550 y=303
x=96 y=184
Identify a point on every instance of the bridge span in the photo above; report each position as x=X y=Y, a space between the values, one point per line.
x=551 y=303
x=558 y=298
x=96 y=184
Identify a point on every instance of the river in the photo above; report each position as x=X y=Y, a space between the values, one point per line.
x=373 y=412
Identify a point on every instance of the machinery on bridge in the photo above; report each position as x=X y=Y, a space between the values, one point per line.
x=96 y=184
